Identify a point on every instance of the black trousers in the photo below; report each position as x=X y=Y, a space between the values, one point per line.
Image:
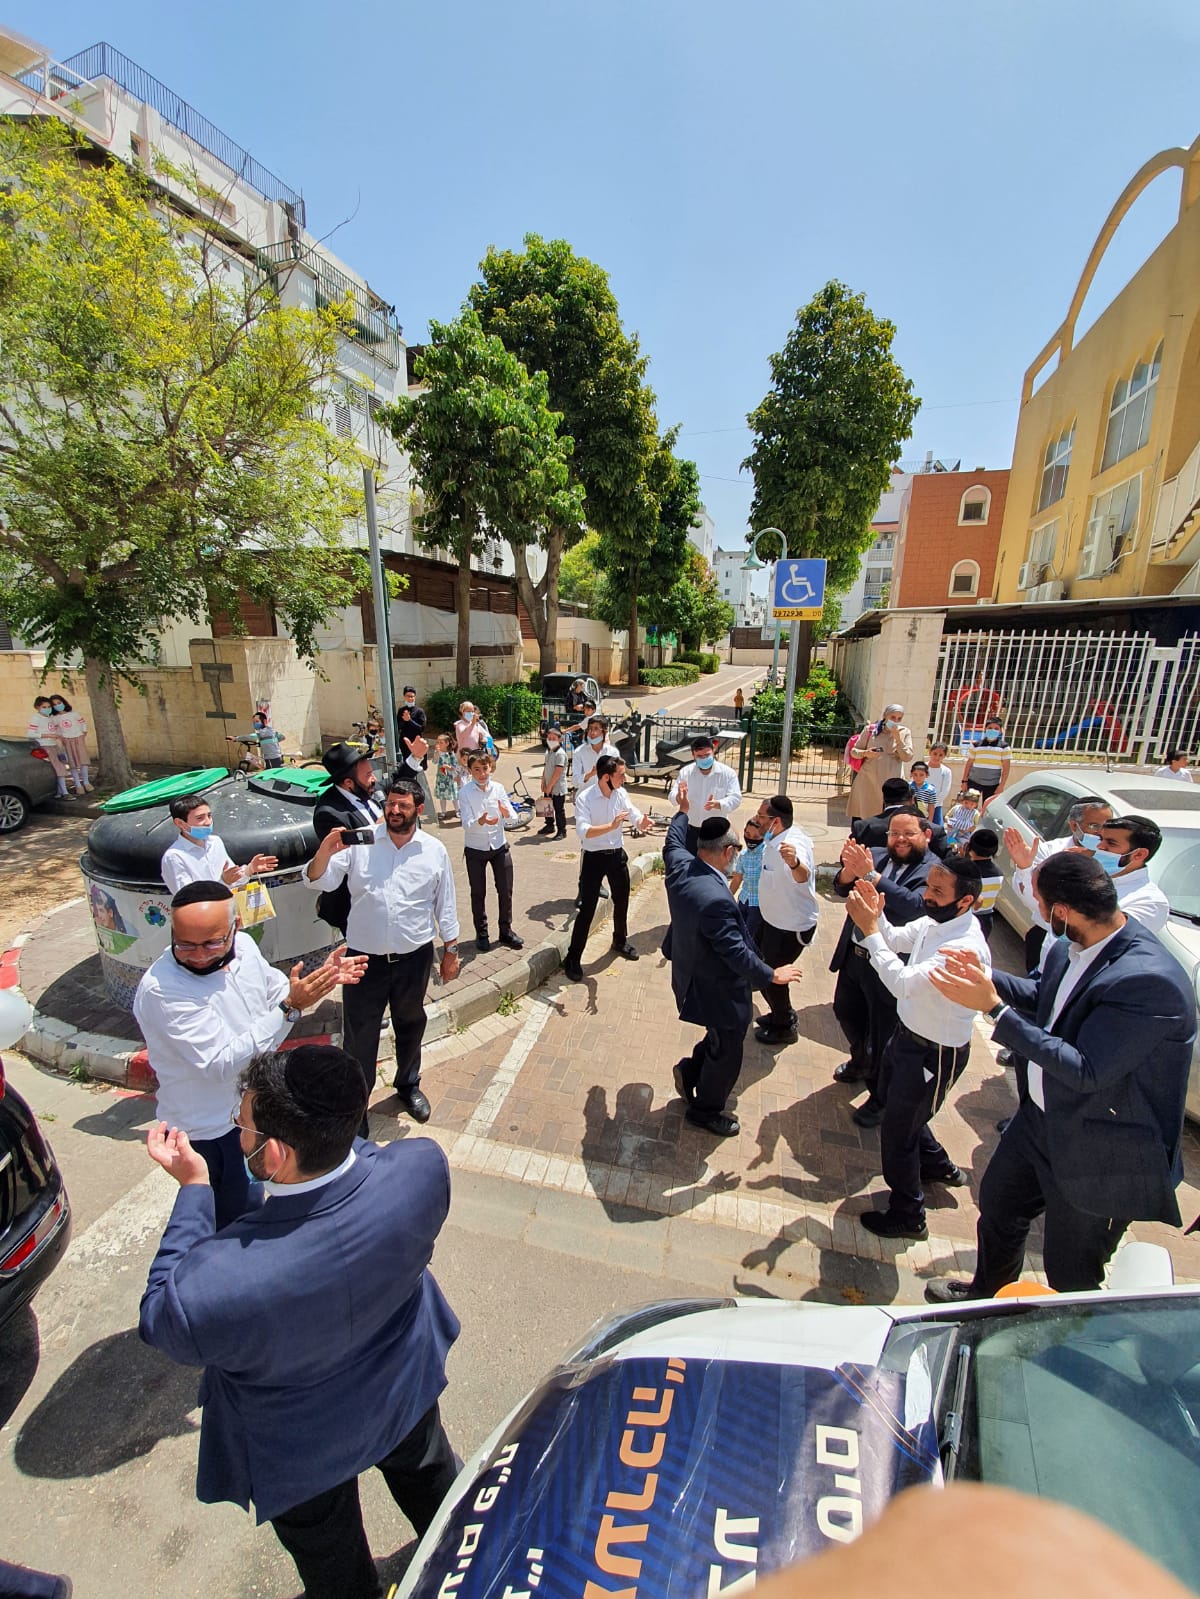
x=233 y=1191
x=779 y=946
x=559 y=802
x=866 y=1013
x=595 y=867
x=325 y=1535
x=712 y=1069
x=919 y=1074
x=500 y=863
x=1018 y=1186
x=397 y=983
x=1035 y=938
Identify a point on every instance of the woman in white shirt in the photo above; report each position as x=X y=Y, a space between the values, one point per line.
x=1176 y=766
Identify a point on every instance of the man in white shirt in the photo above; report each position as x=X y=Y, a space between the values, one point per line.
x=1084 y=821
x=929 y=1049
x=401 y=892
x=206 y=1007
x=595 y=744
x=788 y=909
x=197 y=855
x=712 y=787
x=601 y=812
x=483 y=804
x=1176 y=767
x=1127 y=845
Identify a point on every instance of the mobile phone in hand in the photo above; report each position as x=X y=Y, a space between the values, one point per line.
x=358 y=835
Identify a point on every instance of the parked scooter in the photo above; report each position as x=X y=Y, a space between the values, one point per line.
x=670 y=754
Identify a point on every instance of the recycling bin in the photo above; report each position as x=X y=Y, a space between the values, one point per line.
x=270 y=813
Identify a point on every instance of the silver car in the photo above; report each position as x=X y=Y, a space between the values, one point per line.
x=1037 y=806
x=26 y=779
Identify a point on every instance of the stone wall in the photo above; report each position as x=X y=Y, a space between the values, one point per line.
x=898 y=663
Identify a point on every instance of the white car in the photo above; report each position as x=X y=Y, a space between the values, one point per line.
x=690 y=1447
x=1037 y=806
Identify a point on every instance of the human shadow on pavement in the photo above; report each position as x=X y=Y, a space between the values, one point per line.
x=666 y=1158
x=821 y=1138
x=126 y=1119
x=19 y=1350
x=549 y=911
x=112 y=1404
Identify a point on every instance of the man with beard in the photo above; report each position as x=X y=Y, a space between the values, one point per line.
x=928 y=1051
x=350 y=802
x=206 y=1007
x=865 y=1010
x=401 y=891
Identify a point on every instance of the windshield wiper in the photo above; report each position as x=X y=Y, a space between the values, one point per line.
x=950 y=1438
x=1188 y=916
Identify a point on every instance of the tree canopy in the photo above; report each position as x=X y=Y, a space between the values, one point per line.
x=161 y=442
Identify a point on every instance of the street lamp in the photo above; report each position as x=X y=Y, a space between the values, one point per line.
x=752 y=564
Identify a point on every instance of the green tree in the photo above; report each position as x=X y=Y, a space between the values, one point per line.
x=831 y=616
x=486 y=451
x=161 y=448
x=556 y=313
x=580 y=579
x=826 y=434
x=693 y=608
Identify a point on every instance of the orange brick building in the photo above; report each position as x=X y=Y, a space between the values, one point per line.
x=947 y=539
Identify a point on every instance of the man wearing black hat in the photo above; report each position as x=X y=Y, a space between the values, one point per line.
x=714 y=965
x=322 y=1333
x=351 y=802
x=206 y=1005
x=711 y=787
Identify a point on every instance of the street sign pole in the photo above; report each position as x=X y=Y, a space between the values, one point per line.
x=785 y=749
x=383 y=641
x=797 y=595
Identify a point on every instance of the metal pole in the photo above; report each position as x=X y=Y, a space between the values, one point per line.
x=383 y=637
x=786 y=747
x=775 y=626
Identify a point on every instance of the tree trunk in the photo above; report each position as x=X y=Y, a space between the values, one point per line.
x=633 y=640
x=541 y=600
x=462 y=605
x=106 y=724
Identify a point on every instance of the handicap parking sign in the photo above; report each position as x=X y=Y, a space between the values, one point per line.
x=799 y=591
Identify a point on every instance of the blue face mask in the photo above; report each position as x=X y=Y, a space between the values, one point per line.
x=201 y=833
x=1088 y=841
x=704 y=762
x=991 y=735
x=45 y=710
x=1110 y=860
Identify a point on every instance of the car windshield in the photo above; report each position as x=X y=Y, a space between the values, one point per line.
x=1176 y=870
x=1097 y=1406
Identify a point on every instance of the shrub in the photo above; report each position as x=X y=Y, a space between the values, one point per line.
x=709 y=662
x=820 y=712
x=689 y=658
x=671 y=676
x=442 y=706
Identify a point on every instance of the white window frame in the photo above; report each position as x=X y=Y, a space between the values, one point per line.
x=977 y=494
x=1111 y=535
x=1043 y=544
x=1134 y=403
x=1057 y=458
x=964 y=567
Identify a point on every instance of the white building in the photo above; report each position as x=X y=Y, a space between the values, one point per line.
x=734 y=582
x=870 y=588
x=702 y=534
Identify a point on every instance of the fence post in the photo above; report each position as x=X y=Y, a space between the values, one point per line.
x=647 y=726
x=750 y=735
x=508 y=717
x=741 y=760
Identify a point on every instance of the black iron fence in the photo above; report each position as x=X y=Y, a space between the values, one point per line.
x=816 y=761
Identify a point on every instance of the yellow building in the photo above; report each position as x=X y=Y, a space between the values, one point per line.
x=1104 y=497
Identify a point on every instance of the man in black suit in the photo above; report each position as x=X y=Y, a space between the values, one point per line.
x=350 y=802
x=410 y=722
x=865 y=1010
x=714 y=967
x=897 y=798
x=1108 y=1029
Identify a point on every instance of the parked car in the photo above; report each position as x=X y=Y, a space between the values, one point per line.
x=694 y=1446
x=26 y=779
x=35 y=1214
x=1037 y=806
x=555 y=685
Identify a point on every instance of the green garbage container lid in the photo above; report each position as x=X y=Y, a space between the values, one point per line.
x=292 y=782
x=165 y=789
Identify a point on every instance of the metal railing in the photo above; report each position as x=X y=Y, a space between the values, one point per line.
x=1177 y=501
x=103 y=61
x=374 y=324
x=816 y=759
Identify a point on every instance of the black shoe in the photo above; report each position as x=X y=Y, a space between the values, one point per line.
x=1005 y=1057
x=545 y=832
x=886 y=1224
x=954 y=1177
x=558 y=837
x=573 y=970
x=770 y=1035
x=483 y=944
x=1004 y=1124
x=626 y=949
x=949 y=1291
x=716 y=1122
x=869 y=1114
x=511 y=941
x=848 y=1072
x=685 y=1093
x=414 y=1103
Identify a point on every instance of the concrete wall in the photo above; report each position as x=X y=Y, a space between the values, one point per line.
x=899 y=663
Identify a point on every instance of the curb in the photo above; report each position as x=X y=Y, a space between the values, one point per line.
x=108 y=1059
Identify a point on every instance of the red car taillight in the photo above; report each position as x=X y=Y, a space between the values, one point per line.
x=38 y=1236
x=39 y=754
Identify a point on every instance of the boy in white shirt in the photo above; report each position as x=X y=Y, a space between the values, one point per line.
x=483 y=804
x=198 y=855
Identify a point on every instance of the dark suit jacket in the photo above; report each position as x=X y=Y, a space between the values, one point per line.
x=873 y=831
x=335 y=808
x=714 y=964
x=1116 y=1068
x=413 y=728
x=903 y=896
x=322 y=1334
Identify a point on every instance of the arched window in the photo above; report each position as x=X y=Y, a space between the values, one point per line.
x=975 y=505
x=1054 y=468
x=1131 y=411
x=964 y=580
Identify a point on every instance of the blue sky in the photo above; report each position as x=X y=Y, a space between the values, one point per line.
x=721 y=159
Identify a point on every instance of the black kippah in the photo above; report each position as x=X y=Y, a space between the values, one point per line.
x=325 y=1081
x=712 y=828
x=202 y=892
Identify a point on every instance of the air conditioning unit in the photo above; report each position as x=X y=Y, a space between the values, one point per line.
x=1047 y=591
x=1025 y=575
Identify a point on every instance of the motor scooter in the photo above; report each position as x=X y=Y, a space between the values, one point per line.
x=670 y=754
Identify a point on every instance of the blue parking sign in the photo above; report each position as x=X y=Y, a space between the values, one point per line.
x=799 y=591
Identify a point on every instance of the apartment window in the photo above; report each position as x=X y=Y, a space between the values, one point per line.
x=1112 y=528
x=964 y=580
x=1054 y=469
x=341 y=416
x=1131 y=410
x=974 y=505
x=1043 y=543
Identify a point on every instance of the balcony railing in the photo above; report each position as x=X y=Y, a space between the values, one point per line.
x=1177 y=499
x=373 y=326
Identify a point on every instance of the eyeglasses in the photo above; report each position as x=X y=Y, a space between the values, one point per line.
x=262 y=1137
x=210 y=946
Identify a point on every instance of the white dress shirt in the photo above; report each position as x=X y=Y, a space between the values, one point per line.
x=1183 y=775
x=942 y=779
x=583 y=762
x=1022 y=879
x=1143 y=900
x=918 y=1004
x=270 y=1190
x=594 y=808
x=201 y=1031
x=187 y=862
x=783 y=902
x=473 y=804
x=397 y=896
x=719 y=783
x=1078 y=962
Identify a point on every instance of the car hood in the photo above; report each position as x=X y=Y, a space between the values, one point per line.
x=676 y=1473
